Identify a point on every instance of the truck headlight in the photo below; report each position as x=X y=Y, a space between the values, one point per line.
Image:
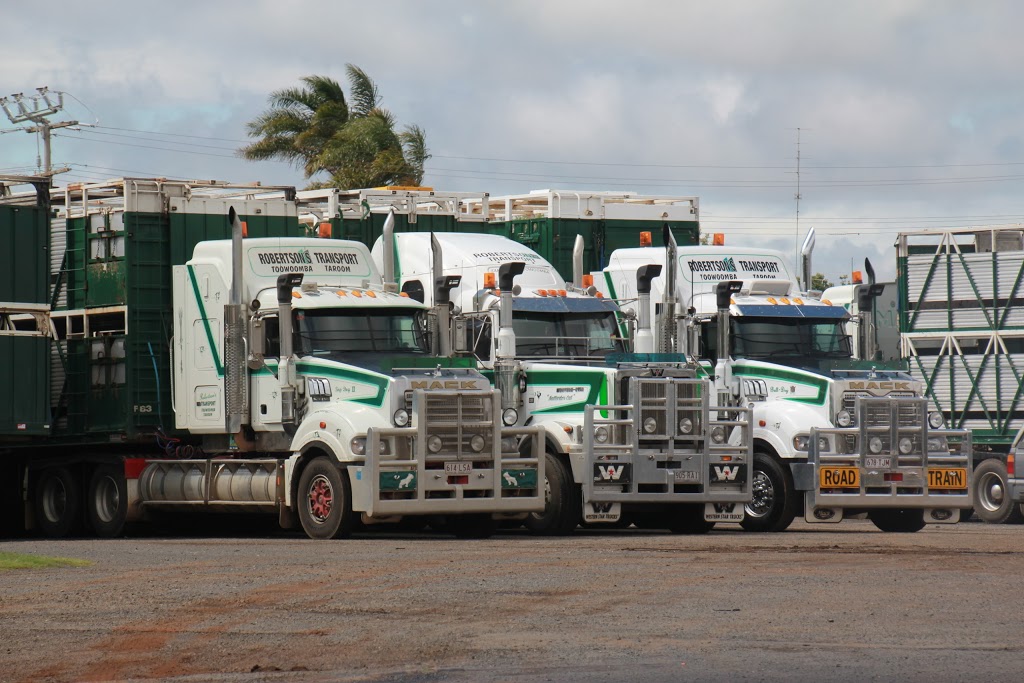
x=509 y=416
x=686 y=425
x=935 y=420
x=401 y=417
x=434 y=443
x=477 y=442
x=938 y=444
x=509 y=444
x=650 y=425
x=843 y=418
x=906 y=445
x=358 y=445
x=823 y=446
x=875 y=444
x=601 y=435
x=718 y=434
x=800 y=442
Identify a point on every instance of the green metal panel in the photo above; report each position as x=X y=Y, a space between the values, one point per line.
x=189 y=229
x=24 y=377
x=75 y=257
x=24 y=264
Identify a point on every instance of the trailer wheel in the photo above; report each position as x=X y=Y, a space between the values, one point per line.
x=472 y=526
x=106 y=501
x=774 y=505
x=324 y=501
x=562 y=506
x=897 y=521
x=992 y=502
x=58 y=503
x=688 y=519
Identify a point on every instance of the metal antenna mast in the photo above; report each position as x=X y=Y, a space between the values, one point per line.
x=36 y=108
x=796 y=238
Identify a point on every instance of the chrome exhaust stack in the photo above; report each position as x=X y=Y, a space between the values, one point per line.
x=805 y=260
x=644 y=340
x=235 y=358
x=506 y=367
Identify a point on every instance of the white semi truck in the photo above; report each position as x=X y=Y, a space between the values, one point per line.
x=628 y=438
x=831 y=436
x=272 y=375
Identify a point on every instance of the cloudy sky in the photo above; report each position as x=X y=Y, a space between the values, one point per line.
x=909 y=111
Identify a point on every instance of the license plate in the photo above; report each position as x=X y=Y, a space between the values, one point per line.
x=723 y=512
x=947 y=478
x=839 y=478
x=687 y=475
x=456 y=468
x=883 y=463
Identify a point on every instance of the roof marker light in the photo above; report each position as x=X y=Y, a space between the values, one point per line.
x=645 y=239
x=490 y=280
x=588 y=280
x=798 y=302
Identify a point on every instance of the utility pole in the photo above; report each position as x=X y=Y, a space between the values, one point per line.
x=36 y=108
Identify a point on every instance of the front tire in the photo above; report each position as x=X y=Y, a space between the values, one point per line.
x=106 y=502
x=992 y=502
x=324 y=501
x=562 y=506
x=58 y=503
x=896 y=521
x=774 y=505
x=688 y=519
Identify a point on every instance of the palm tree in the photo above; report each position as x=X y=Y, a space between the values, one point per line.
x=354 y=142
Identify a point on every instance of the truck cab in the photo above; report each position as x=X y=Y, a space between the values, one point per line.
x=833 y=436
x=339 y=380
x=627 y=437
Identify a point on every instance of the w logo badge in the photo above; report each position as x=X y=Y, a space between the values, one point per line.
x=611 y=473
x=726 y=473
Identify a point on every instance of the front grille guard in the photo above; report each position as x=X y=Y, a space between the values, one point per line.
x=893 y=456
x=501 y=478
x=667 y=465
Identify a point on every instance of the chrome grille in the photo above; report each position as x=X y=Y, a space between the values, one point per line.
x=667 y=402
x=456 y=419
x=653 y=403
x=850 y=402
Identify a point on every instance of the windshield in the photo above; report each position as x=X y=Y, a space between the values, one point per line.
x=358 y=330
x=577 y=335
x=777 y=339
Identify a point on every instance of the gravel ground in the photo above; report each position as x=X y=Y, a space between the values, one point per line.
x=839 y=603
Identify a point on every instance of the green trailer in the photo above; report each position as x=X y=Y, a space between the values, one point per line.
x=24 y=306
x=548 y=221
x=961 y=303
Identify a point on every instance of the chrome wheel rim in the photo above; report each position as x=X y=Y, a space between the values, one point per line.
x=763 y=495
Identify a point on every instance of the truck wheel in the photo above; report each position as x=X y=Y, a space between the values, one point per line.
x=992 y=502
x=472 y=526
x=106 y=502
x=897 y=521
x=324 y=501
x=562 y=506
x=774 y=505
x=58 y=503
x=688 y=519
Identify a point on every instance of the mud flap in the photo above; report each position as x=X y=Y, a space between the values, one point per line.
x=818 y=515
x=723 y=512
x=942 y=515
x=601 y=512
